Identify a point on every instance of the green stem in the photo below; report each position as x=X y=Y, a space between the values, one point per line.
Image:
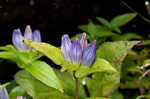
x=130 y=8
x=77 y=86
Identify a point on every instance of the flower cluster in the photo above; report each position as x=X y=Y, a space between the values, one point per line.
x=18 y=39
x=78 y=52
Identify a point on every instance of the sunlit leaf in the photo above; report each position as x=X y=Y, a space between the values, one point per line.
x=100 y=65
x=43 y=72
x=17 y=91
x=48 y=50
x=37 y=89
x=113 y=52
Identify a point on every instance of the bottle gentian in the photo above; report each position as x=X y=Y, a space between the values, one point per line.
x=78 y=52
x=18 y=39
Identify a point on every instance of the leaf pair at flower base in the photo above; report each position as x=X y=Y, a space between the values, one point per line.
x=55 y=55
x=28 y=61
x=22 y=59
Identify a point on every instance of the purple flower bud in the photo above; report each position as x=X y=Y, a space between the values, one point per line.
x=36 y=36
x=83 y=41
x=20 y=97
x=65 y=47
x=78 y=52
x=89 y=54
x=18 y=39
x=3 y=93
x=28 y=33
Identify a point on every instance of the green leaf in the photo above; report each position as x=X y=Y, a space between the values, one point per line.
x=48 y=50
x=8 y=55
x=37 y=89
x=100 y=65
x=116 y=29
x=26 y=58
x=104 y=21
x=52 y=53
x=96 y=98
x=105 y=34
x=8 y=52
x=43 y=72
x=122 y=19
x=22 y=59
x=92 y=29
x=17 y=91
x=113 y=52
x=68 y=82
x=7 y=48
x=127 y=36
x=116 y=95
x=83 y=28
x=143 y=97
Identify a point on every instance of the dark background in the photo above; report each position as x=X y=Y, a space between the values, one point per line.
x=57 y=17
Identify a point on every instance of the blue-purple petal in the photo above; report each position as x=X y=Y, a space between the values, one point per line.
x=18 y=40
x=28 y=33
x=65 y=47
x=76 y=52
x=36 y=36
x=3 y=93
x=89 y=54
x=83 y=41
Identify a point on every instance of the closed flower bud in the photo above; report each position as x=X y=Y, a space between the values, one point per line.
x=18 y=38
x=78 y=52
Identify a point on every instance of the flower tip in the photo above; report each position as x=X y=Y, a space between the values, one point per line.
x=94 y=41
x=84 y=34
x=65 y=36
x=16 y=31
x=37 y=36
x=28 y=27
x=28 y=32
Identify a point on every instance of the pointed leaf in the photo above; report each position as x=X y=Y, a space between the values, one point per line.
x=52 y=53
x=37 y=89
x=100 y=65
x=17 y=91
x=104 y=21
x=114 y=52
x=127 y=36
x=43 y=72
x=48 y=50
x=122 y=19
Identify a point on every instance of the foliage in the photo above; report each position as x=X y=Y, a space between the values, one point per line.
x=104 y=79
x=109 y=29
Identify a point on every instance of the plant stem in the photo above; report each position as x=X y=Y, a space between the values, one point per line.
x=86 y=90
x=77 y=86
